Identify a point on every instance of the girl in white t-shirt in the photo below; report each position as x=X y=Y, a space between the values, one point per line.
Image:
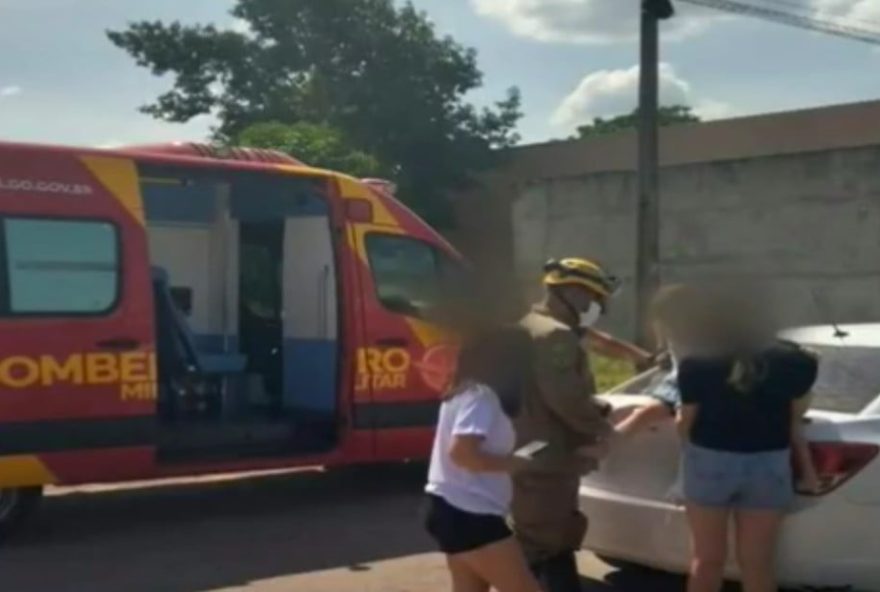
x=469 y=486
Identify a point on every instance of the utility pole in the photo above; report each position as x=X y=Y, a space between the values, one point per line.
x=648 y=213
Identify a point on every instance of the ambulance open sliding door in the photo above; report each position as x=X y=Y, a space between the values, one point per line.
x=192 y=241
x=310 y=316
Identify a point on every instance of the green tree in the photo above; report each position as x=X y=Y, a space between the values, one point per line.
x=378 y=73
x=315 y=144
x=671 y=115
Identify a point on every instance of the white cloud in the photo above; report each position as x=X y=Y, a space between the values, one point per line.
x=856 y=12
x=586 y=21
x=9 y=91
x=609 y=21
x=241 y=26
x=709 y=109
x=608 y=93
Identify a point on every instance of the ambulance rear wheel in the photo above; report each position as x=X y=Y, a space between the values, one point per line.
x=16 y=504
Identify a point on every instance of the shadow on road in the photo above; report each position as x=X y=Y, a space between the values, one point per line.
x=635 y=581
x=192 y=538
x=641 y=580
x=200 y=537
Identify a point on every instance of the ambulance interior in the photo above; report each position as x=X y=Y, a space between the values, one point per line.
x=245 y=294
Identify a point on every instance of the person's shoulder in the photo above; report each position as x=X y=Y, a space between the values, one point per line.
x=703 y=368
x=553 y=345
x=704 y=362
x=476 y=393
x=790 y=350
x=793 y=359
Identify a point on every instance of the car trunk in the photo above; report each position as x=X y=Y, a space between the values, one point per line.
x=633 y=499
x=646 y=466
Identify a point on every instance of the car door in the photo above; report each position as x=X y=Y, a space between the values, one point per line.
x=77 y=362
x=632 y=499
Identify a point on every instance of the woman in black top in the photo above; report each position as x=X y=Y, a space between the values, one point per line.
x=743 y=401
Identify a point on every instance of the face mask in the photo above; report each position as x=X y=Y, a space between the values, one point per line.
x=591 y=316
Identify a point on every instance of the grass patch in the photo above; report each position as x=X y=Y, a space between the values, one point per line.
x=609 y=372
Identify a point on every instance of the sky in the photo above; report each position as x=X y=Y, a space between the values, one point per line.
x=62 y=81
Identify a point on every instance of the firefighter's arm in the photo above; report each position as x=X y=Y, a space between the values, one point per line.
x=566 y=391
x=610 y=347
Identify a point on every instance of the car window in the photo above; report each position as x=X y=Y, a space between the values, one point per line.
x=410 y=275
x=849 y=378
x=44 y=275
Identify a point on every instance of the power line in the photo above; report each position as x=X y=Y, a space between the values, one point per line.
x=808 y=12
x=811 y=12
x=802 y=6
x=847 y=31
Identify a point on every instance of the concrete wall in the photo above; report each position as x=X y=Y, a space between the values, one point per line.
x=756 y=202
x=812 y=222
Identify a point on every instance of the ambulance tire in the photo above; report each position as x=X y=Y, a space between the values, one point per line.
x=16 y=505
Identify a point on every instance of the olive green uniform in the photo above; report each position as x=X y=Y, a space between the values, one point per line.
x=558 y=408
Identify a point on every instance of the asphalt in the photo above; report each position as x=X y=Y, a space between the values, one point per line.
x=339 y=531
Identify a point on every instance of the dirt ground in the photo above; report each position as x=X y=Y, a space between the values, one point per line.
x=352 y=530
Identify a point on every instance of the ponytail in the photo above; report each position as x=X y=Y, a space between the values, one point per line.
x=747 y=371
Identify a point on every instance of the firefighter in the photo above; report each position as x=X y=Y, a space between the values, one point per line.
x=558 y=408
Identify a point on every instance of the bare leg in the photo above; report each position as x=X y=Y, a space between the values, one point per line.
x=502 y=565
x=641 y=418
x=621 y=413
x=464 y=579
x=757 y=533
x=709 y=547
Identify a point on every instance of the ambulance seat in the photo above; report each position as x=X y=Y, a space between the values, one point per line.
x=185 y=373
x=203 y=362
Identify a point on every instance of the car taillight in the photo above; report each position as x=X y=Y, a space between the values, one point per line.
x=838 y=462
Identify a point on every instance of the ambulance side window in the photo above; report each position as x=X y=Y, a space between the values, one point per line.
x=408 y=273
x=58 y=267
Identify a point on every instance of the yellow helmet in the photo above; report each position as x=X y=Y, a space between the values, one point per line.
x=581 y=272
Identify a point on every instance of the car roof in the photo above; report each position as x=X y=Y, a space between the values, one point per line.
x=856 y=335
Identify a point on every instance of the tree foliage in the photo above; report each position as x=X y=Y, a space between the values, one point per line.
x=315 y=144
x=377 y=72
x=671 y=115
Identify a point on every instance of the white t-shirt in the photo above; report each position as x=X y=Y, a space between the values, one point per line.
x=474 y=412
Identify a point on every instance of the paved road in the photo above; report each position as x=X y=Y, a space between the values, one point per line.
x=347 y=531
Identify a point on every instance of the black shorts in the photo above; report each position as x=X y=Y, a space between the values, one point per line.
x=457 y=531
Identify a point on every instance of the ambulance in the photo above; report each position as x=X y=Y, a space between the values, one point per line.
x=179 y=310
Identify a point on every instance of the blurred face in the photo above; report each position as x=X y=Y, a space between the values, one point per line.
x=745 y=319
x=682 y=319
x=723 y=317
x=678 y=337
x=498 y=363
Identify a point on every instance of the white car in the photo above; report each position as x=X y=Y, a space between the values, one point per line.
x=830 y=540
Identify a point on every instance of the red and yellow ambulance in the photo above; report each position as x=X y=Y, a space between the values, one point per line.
x=175 y=310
